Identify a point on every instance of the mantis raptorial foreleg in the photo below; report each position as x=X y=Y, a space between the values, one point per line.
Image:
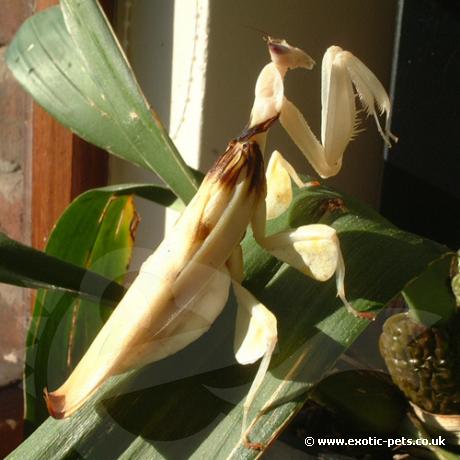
x=341 y=71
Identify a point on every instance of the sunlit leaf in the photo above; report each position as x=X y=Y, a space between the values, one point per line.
x=84 y=80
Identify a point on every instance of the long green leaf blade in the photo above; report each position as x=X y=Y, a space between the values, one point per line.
x=190 y=405
x=84 y=80
x=24 y=266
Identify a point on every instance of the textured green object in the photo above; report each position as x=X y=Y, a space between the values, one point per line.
x=190 y=405
x=366 y=401
x=424 y=362
x=83 y=79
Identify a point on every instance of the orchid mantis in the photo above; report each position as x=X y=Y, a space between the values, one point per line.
x=183 y=286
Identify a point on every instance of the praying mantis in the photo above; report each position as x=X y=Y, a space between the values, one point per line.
x=183 y=286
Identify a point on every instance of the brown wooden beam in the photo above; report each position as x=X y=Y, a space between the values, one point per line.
x=14 y=221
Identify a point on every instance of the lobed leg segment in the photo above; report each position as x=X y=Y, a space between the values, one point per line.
x=312 y=249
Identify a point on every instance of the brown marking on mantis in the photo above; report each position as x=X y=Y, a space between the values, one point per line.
x=255 y=171
x=227 y=168
x=240 y=152
x=276 y=46
x=202 y=231
x=251 y=131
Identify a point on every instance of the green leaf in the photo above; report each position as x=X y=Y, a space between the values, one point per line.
x=430 y=297
x=84 y=80
x=154 y=193
x=24 y=266
x=190 y=405
x=95 y=232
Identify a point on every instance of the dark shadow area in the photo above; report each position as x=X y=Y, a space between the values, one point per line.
x=417 y=206
x=421 y=191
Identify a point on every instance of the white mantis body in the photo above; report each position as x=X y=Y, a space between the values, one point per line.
x=183 y=286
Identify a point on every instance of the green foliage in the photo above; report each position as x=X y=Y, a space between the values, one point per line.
x=25 y=266
x=430 y=297
x=84 y=80
x=96 y=232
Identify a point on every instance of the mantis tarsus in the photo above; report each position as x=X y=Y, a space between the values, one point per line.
x=183 y=286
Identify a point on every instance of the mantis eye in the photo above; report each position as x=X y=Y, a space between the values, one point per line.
x=278 y=47
x=288 y=57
